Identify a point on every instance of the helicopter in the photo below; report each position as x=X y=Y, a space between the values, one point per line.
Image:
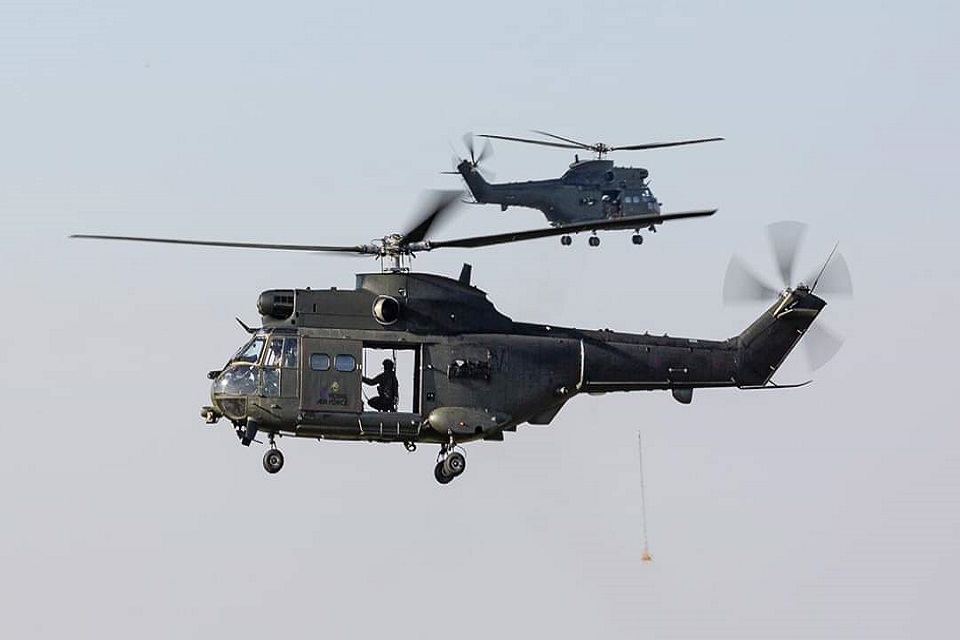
x=591 y=189
x=465 y=370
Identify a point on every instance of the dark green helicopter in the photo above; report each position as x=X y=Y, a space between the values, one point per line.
x=592 y=189
x=463 y=370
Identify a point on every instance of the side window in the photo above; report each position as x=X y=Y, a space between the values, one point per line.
x=345 y=362
x=290 y=352
x=271 y=382
x=319 y=361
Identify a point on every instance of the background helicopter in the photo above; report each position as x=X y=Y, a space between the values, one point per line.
x=592 y=189
x=471 y=372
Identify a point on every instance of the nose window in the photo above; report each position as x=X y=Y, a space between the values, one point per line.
x=238 y=380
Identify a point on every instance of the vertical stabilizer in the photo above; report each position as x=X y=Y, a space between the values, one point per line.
x=766 y=343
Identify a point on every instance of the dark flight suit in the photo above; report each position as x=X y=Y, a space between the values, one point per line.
x=387 y=389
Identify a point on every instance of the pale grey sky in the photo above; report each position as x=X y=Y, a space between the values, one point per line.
x=828 y=511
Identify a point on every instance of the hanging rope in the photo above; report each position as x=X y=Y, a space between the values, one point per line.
x=646 y=557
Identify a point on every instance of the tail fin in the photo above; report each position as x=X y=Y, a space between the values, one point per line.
x=479 y=187
x=766 y=343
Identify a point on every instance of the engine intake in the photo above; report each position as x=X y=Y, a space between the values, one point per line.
x=386 y=310
x=276 y=303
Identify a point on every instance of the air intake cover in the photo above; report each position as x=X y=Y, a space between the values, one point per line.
x=276 y=303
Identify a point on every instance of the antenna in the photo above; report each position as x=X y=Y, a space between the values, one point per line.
x=646 y=557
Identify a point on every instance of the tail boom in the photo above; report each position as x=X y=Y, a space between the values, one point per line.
x=630 y=362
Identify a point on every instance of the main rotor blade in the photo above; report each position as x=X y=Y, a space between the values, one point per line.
x=741 y=284
x=785 y=240
x=628 y=222
x=833 y=278
x=443 y=200
x=541 y=142
x=359 y=249
x=821 y=345
x=660 y=145
x=571 y=141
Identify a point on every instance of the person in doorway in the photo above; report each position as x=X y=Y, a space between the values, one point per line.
x=387 y=388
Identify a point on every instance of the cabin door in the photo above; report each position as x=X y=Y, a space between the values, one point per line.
x=330 y=375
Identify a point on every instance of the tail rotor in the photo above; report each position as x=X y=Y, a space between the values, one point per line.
x=478 y=155
x=742 y=285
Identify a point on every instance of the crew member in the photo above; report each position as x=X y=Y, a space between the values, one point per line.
x=387 y=388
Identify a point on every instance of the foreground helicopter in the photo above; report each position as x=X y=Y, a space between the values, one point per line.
x=473 y=373
x=592 y=189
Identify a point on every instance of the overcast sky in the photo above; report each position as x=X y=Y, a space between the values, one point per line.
x=828 y=511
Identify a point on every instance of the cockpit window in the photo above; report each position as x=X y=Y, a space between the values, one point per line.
x=272 y=359
x=251 y=351
x=238 y=380
x=290 y=351
x=271 y=382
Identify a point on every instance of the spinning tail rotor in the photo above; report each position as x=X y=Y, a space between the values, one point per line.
x=475 y=159
x=743 y=285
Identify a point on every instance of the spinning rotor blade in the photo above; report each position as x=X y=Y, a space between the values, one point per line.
x=627 y=222
x=741 y=284
x=542 y=142
x=443 y=200
x=576 y=142
x=660 y=145
x=475 y=159
x=833 y=278
x=599 y=147
x=485 y=152
x=821 y=345
x=455 y=160
x=358 y=249
x=785 y=240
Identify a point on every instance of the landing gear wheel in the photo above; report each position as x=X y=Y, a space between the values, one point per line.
x=594 y=241
x=455 y=464
x=273 y=461
x=637 y=238
x=441 y=475
x=566 y=241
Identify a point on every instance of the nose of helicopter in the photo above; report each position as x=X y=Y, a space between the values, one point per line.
x=230 y=389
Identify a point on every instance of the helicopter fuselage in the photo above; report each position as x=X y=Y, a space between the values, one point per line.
x=474 y=373
x=589 y=190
